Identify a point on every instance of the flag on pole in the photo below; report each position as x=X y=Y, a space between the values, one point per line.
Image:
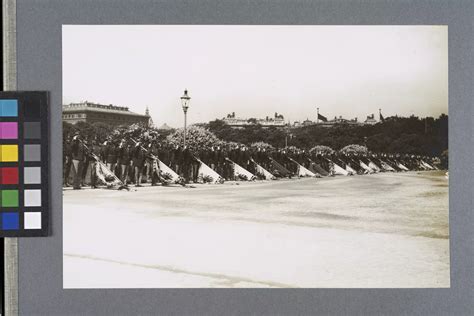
x=373 y=166
x=428 y=166
x=422 y=166
x=322 y=118
x=350 y=170
x=335 y=169
x=240 y=173
x=206 y=174
x=365 y=167
x=279 y=170
x=105 y=176
x=386 y=166
x=165 y=173
x=402 y=166
x=317 y=169
x=263 y=172
x=302 y=171
x=338 y=170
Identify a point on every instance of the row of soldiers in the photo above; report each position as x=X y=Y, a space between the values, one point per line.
x=132 y=160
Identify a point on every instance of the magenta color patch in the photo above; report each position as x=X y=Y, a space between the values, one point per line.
x=8 y=130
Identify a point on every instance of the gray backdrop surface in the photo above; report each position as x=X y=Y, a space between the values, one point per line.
x=39 y=68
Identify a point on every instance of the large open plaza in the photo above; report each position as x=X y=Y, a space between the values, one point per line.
x=381 y=230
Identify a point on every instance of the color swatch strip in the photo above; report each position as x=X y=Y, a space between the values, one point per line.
x=24 y=185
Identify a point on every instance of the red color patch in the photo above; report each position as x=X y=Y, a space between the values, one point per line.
x=9 y=175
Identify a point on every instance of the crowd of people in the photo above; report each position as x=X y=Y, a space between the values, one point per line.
x=134 y=161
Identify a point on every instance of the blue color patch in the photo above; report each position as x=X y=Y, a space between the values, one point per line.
x=8 y=108
x=10 y=221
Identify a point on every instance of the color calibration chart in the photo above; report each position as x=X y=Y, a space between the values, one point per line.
x=24 y=164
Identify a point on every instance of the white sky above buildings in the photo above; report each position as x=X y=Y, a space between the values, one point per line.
x=255 y=71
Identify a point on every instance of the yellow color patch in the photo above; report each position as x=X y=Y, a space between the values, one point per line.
x=8 y=153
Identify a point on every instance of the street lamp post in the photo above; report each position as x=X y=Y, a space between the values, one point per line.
x=287 y=135
x=185 y=99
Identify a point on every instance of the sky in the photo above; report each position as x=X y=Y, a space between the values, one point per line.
x=255 y=71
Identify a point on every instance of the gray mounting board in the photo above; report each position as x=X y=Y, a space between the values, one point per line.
x=38 y=47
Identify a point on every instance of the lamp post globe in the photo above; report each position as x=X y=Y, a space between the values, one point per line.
x=185 y=100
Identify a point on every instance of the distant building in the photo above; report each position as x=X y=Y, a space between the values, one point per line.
x=165 y=127
x=109 y=114
x=339 y=121
x=307 y=122
x=277 y=120
x=150 y=120
x=370 y=120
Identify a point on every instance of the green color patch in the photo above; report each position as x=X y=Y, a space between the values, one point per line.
x=10 y=198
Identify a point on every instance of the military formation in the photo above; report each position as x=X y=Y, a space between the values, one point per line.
x=132 y=161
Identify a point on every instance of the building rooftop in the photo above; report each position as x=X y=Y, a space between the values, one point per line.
x=165 y=127
x=95 y=107
x=370 y=119
x=276 y=120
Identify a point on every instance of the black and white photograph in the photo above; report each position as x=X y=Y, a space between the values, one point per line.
x=255 y=156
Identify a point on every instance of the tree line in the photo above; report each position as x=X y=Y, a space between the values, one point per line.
x=424 y=136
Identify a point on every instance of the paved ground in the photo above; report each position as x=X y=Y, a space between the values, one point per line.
x=384 y=230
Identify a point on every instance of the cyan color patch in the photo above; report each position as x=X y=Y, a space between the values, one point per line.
x=8 y=108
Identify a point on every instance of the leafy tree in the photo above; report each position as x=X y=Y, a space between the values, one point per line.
x=427 y=136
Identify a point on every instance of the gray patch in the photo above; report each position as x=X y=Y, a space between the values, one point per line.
x=32 y=175
x=32 y=130
x=32 y=152
x=32 y=197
